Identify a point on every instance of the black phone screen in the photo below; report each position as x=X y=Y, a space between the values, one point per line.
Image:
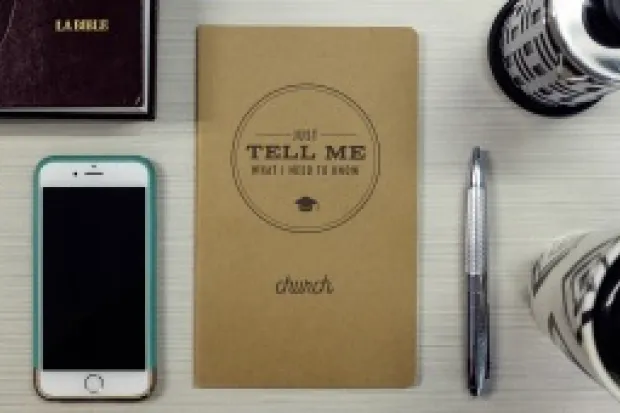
x=93 y=263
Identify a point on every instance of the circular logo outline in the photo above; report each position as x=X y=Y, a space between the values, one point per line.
x=376 y=163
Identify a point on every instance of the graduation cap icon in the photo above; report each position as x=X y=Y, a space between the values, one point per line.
x=307 y=204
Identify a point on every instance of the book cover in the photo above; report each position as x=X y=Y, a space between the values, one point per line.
x=306 y=226
x=66 y=57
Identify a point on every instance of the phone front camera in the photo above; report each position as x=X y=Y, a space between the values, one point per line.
x=75 y=174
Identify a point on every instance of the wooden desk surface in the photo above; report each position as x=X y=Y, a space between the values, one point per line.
x=549 y=178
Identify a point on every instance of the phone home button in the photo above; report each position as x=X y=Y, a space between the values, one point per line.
x=93 y=383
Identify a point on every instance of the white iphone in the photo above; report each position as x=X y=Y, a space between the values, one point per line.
x=94 y=248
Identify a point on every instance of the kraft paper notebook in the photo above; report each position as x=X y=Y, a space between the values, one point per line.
x=306 y=215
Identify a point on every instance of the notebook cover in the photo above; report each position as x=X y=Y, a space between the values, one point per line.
x=68 y=56
x=306 y=222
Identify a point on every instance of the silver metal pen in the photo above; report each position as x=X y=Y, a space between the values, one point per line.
x=476 y=248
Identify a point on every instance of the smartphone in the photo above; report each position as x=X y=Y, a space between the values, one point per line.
x=94 y=301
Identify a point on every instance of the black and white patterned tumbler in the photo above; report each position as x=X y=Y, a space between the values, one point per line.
x=574 y=300
x=556 y=57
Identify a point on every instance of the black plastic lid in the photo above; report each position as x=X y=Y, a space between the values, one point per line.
x=613 y=11
x=602 y=21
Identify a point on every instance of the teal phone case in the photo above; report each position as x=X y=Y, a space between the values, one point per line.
x=152 y=248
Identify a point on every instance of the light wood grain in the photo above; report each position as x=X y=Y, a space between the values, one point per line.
x=549 y=177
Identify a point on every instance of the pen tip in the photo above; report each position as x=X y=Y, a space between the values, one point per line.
x=478 y=156
x=475 y=391
x=477 y=166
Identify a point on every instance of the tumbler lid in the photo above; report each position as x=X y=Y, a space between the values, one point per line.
x=569 y=28
x=612 y=7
